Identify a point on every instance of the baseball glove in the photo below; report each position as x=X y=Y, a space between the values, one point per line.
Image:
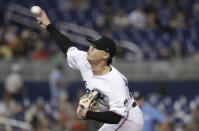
x=88 y=101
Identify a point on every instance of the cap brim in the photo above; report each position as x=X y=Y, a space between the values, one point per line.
x=90 y=40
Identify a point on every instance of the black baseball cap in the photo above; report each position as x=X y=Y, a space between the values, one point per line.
x=104 y=43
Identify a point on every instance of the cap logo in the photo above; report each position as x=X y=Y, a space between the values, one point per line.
x=107 y=49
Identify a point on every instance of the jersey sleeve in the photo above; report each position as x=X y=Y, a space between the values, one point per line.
x=75 y=57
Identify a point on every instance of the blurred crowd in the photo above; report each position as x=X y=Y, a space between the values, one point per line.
x=157 y=27
x=166 y=113
x=25 y=43
x=43 y=115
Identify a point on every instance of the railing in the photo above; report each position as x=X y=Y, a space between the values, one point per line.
x=143 y=70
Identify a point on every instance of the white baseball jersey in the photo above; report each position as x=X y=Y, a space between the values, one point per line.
x=114 y=87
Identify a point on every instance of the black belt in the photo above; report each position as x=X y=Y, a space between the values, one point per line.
x=134 y=104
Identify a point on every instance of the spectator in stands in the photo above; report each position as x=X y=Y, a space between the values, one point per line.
x=79 y=4
x=18 y=48
x=64 y=5
x=149 y=5
x=65 y=113
x=151 y=114
x=56 y=56
x=163 y=53
x=105 y=19
x=3 y=109
x=28 y=38
x=179 y=21
x=165 y=14
x=79 y=126
x=40 y=52
x=14 y=83
x=152 y=20
x=12 y=43
x=57 y=82
x=177 y=51
x=137 y=18
x=10 y=109
x=36 y=116
x=5 y=52
x=195 y=119
x=8 y=34
x=120 y=19
x=196 y=11
x=181 y=4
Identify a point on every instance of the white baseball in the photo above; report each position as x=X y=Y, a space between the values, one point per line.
x=35 y=10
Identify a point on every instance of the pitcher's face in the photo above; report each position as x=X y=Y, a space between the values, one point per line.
x=95 y=55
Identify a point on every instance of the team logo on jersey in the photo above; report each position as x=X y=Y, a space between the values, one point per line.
x=125 y=102
x=126 y=82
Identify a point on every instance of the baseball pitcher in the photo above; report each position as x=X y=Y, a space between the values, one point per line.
x=107 y=99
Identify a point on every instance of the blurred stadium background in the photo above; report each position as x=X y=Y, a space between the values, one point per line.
x=158 y=51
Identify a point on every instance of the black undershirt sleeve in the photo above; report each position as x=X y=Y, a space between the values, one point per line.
x=105 y=117
x=62 y=41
